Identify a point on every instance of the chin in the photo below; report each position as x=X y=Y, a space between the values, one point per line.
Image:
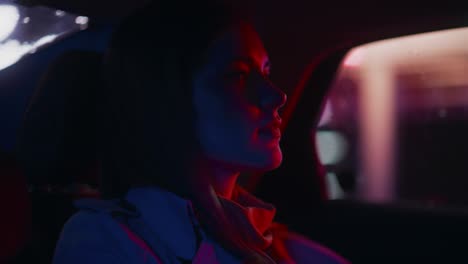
x=275 y=161
x=272 y=160
x=264 y=159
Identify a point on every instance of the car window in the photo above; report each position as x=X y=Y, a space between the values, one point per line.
x=395 y=123
x=24 y=30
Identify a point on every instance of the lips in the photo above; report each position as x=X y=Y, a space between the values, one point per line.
x=272 y=130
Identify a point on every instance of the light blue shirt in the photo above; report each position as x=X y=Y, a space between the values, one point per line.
x=96 y=237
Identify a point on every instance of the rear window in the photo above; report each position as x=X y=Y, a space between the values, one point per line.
x=24 y=30
x=395 y=123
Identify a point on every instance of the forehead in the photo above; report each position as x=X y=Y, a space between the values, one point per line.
x=240 y=41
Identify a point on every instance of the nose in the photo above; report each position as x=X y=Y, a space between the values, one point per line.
x=273 y=97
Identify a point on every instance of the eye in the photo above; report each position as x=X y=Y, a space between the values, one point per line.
x=238 y=75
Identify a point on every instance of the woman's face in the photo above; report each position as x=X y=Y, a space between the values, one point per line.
x=236 y=105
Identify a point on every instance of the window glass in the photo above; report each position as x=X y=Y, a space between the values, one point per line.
x=395 y=123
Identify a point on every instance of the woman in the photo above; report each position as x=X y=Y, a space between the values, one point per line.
x=188 y=106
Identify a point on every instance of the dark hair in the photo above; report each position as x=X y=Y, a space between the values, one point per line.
x=147 y=123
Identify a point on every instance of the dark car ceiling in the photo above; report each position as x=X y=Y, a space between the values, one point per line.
x=358 y=8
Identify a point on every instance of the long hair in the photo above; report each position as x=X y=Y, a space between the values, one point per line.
x=147 y=122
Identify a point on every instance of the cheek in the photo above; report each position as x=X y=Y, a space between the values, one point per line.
x=229 y=122
x=226 y=124
x=227 y=108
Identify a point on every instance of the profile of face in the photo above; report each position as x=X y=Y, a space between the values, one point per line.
x=236 y=105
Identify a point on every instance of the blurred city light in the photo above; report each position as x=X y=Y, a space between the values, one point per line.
x=25 y=29
x=331 y=146
x=9 y=17
x=12 y=50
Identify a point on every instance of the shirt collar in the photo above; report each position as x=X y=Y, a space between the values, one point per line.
x=172 y=219
x=253 y=215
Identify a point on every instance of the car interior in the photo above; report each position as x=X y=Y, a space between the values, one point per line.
x=374 y=140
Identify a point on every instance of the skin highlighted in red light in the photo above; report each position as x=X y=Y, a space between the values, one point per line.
x=270 y=133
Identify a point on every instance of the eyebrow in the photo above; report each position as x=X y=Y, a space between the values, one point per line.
x=267 y=64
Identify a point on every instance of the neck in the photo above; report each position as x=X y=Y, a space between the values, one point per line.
x=224 y=181
x=222 y=178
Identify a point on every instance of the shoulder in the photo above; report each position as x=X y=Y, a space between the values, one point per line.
x=89 y=237
x=85 y=225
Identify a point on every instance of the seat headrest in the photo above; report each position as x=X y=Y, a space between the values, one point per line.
x=57 y=139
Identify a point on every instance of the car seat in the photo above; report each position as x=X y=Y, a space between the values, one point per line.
x=56 y=145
